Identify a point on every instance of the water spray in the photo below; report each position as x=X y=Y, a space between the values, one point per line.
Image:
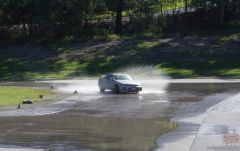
x=152 y=78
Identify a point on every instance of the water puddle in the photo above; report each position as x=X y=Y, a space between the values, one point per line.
x=101 y=122
x=82 y=133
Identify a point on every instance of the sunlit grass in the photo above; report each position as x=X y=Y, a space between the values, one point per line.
x=112 y=37
x=106 y=37
x=10 y=95
x=146 y=49
x=229 y=38
x=91 y=67
x=178 y=72
x=147 y=45
x=230 y=72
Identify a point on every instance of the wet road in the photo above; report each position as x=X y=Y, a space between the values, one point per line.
x=102 y=122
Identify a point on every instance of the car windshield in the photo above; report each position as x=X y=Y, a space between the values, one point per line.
x=122 y=77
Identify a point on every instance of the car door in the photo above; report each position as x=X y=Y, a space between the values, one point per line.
x=109 y=82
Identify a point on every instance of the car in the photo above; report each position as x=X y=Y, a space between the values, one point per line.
x=119 y=83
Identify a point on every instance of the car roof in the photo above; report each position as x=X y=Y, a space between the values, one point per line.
x=119 y=74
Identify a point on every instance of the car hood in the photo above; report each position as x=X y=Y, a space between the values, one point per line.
x=130 y=82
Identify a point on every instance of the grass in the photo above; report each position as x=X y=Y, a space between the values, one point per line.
x=106 y=37
x=208 y=67
x=147 y=45
x=229 y=38
x=10 y=95
x=176 y=68
x=177 y=57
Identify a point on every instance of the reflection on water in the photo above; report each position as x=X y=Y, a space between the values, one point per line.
x=205 y=88
x=75 y=132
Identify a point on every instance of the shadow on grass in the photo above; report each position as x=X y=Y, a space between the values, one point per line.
x=18 y=69
x=179 y=57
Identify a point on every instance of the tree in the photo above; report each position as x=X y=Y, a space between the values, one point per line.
x=118 y=24
x=222 y=11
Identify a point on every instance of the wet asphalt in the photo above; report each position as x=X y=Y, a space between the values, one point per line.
x=93 y=121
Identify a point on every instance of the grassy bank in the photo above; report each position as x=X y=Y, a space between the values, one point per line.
x=10 y=95
x=178 y=56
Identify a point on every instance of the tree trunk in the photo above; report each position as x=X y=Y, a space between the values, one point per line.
x=118 y=24
x=186 y=5
x=222 y=11
x=24 y=27
x=186 y=15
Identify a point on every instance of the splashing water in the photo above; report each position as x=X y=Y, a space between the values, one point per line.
x=80 y=86
x=152 y=78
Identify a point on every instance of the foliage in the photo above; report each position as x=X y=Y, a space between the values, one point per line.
x=50 y=21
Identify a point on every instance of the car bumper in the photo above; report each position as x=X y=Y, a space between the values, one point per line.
x=129 y=89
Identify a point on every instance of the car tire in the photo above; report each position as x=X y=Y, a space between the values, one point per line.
x=116 y=89
x=102 y=90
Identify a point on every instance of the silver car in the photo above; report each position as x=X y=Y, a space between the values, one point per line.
x=118 y=83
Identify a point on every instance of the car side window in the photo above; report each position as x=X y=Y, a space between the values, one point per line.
x=108 y=77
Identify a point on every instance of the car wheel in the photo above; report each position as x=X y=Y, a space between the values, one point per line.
x=116 y=89
x=102 y=90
